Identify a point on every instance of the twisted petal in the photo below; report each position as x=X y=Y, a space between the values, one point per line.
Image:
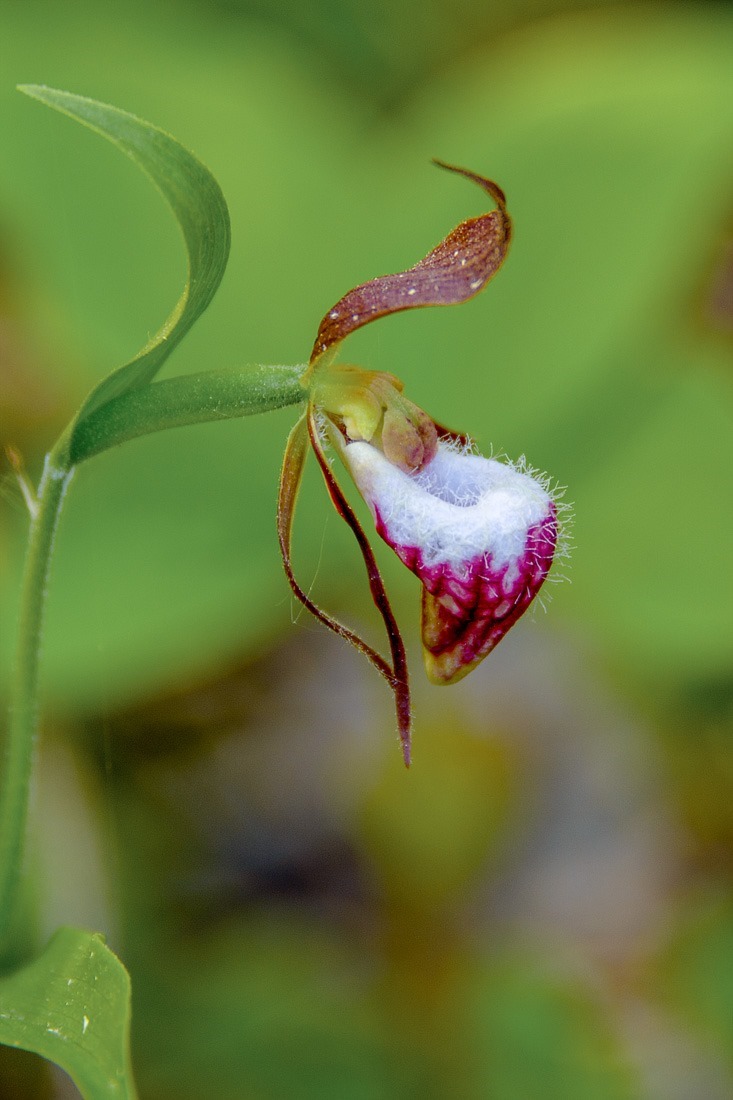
x=479 y=534
x=457 y=269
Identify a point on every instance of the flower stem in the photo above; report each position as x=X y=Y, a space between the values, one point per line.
x=24 y=709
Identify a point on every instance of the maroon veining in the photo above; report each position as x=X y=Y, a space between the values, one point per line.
x=467 y=612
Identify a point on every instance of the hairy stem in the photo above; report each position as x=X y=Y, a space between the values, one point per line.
x=24 y=709
x=192 y=399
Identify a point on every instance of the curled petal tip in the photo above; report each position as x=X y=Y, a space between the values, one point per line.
x=454 y=271
x=488 y=185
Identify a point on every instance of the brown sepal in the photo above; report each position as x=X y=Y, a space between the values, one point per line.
x=290 y=478
x=397 y=676
x=457 y=269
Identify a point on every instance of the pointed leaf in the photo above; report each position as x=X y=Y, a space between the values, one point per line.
x=72 y=1006
x=457 y=269
x=198 y=204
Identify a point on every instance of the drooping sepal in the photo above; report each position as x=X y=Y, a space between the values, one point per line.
x=397 y=676
x=305 y=432
x=290 y=479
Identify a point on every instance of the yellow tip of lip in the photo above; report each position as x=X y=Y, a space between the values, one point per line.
x=446 y=669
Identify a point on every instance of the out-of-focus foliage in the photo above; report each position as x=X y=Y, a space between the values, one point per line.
x=430 y=840
x=380 y=51
x=695 y=974
x=294 y=926
x=302 y=942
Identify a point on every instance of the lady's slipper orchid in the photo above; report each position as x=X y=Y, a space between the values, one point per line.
x=480 y=534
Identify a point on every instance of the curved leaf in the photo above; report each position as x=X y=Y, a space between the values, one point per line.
x=72 y=1006
x=198 y=204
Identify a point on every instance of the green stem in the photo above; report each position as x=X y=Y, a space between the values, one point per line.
x=23 y=723
x=187 y=399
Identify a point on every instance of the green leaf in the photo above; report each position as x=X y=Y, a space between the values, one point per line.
x=201 y=211
x=72 y=1006
x=188 y=399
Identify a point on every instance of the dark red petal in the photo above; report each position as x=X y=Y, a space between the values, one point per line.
x=449 y=436
x=455 y=271
x=398 y=677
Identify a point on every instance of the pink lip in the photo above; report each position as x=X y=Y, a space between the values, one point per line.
x=469 y=602
x=466 y=614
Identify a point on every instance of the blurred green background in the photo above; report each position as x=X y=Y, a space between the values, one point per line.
x=543 y=906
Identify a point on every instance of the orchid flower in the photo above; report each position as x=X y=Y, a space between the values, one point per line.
x=480 y=534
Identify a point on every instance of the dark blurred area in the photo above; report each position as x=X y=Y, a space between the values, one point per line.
x=543 y=906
